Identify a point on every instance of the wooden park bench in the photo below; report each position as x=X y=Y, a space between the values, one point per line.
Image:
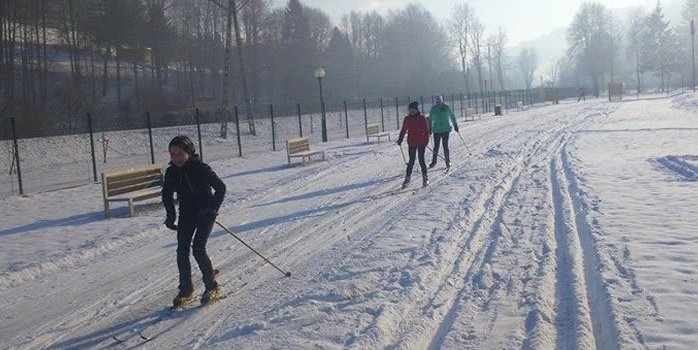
x=131 y=185
x=373 y=130
x=521 y=107
x=300 y=147
x=469 y=113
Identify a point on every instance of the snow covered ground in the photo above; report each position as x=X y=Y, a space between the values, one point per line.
x=566 y=226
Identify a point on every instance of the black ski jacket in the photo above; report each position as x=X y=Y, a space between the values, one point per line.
x=193 y=183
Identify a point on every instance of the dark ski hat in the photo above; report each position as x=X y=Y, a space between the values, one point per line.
x=414 y=105
x=185 y=144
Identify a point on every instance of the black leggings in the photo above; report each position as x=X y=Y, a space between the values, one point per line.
x=199 y=229
x=413 y=150
x=441 y=138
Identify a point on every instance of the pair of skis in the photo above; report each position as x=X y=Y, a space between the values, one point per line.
x=144 y=338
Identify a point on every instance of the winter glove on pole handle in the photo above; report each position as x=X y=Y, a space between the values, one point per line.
x=287 y=274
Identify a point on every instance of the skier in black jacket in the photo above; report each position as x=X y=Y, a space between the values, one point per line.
x=198 y=207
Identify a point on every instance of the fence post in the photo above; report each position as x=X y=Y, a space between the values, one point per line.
x=198 y=133
x=346 y=117
x=19 y=169
x=273 y=128
x=397 y=113
x=92 y=147
x=150 y=138
x=365 y=118
x=237 y=130
x=382 y=117
x=300 y=119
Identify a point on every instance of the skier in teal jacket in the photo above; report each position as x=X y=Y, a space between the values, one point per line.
x=443 y=121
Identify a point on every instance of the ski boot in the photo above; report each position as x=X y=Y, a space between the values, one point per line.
x=182 y=298
x=405 y=184
x=425 y=181
x=211 y=296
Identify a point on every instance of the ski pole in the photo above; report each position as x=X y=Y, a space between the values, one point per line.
x=432 y=151
x=464 y=144
x=403 y=154
x=287 y=274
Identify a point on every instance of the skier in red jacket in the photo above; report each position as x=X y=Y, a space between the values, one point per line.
x=416 y=127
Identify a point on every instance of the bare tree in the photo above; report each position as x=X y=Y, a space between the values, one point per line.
x=499 y=46
x=477 y=39
x=588 y=36
x=527 y=63
x=635 y=28
x=320 y=27
x=459 y=25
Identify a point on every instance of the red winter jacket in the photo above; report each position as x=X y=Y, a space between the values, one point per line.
x=417 y=130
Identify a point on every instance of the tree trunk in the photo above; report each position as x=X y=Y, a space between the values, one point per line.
x=226 y=72
x=105 y=76
x=44 y=75
x=500 y=72
x=135 y=78
x=243 y=71
x=637 y=68
x=118 y=78
x=93 y=78
x=25 y=62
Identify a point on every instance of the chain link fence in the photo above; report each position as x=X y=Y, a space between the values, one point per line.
x=67 y=156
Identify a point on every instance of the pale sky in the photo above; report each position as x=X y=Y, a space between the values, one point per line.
x=522 y=19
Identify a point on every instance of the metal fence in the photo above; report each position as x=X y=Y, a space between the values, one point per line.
x=100 y=142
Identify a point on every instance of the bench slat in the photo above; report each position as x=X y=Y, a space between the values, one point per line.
x=305 y=154
x=142 y=194
x=298 y=145
x=134 y=180
x=134 y=172
x=372 y=129
x=135 y=187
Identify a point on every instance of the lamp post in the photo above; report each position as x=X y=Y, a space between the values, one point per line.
x=319 y=75
x=693 y=55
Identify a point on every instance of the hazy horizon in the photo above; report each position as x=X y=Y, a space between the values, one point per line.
x=522 y=20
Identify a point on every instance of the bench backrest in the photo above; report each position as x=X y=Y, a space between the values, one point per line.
x=469 y=112
x=297 y=145
x=373 y=129
x=131 y=180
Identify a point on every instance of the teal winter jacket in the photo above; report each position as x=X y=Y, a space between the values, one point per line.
x=442 y=119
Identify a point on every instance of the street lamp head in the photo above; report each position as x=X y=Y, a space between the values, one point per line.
x=319 y=73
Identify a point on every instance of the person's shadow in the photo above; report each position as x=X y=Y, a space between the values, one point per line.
x=127 y=331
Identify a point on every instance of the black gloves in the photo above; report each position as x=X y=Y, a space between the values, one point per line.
x=169 y=223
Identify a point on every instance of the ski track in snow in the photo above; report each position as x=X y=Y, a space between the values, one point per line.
x=498 y=253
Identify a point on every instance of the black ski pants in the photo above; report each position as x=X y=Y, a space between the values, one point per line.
x=441 y=138
x=198 y=228
x=413 y=152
